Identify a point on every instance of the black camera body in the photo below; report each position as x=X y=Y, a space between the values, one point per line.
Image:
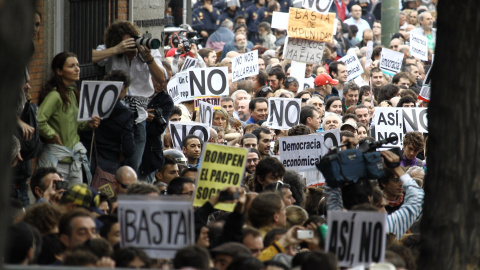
x=147 y=41
x=345 y=167
x=191 y=38
x=159 y=119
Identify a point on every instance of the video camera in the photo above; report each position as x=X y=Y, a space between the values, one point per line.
x=147 y=41
x=191 y=38
x=348 y=166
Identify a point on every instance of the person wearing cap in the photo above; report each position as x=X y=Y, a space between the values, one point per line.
x=232 y=10
x=81 y=196
x=366 y=6
x=226 y=253
x=350 y=126
x=310 y=116
x=323 y=85
x=124 y=177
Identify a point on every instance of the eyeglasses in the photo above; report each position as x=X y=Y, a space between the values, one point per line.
x=267 y=89
x=254 y=160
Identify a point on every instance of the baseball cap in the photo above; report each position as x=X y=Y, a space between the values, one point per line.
x=348 y=124
x=323 y=79
x=84 y=196
x=233 y=249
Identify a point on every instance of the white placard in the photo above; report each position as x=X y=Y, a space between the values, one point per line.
x=98 y=98
x=244 y=65
x=179 y=87
x=368 y=56
x=158 y=225
x=300 y=153
x=391 y=61
x=283 y=113
x=419 y=46
x=297 y=70
x=208 y=81
x=398 y=121
x=180 y=130
x=280 y=20
x=356 y=237
x=354 y=67
x=205 y=111
x=303 y=50
x=322 y=6
x=189 y=63
x=425 y=92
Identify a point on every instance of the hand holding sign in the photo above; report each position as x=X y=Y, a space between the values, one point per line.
x=94 y=122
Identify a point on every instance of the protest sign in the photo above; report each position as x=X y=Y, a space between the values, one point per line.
x=303 y=50
x=222 y=166
x=322 y=6
x=208 y=81
x=300 y=153
x=180 y=130
x=297 y=70
x=356 y=237
x=354 y=67
x=189 y=63
x=419 y=46
x=283 y=113
x=391 y=61
x=214 y=100
x=179 y=87
x=312 y=25
x=98 y=98
x=157 y=225
x=368 y=58
x=244 y=65
x=279 y=20
x=398 y=121
x=205 y=111
x=426 y=88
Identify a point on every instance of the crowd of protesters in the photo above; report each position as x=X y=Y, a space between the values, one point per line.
x=72 y=223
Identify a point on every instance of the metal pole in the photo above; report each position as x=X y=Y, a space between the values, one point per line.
x=184 y=15
x=189 y=11
x=390 y=9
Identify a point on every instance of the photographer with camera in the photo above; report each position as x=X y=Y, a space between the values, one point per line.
x=125 y=50
x=342 y=195
x=187 y=47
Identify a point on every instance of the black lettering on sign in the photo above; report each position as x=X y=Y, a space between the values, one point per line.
x=332 y=137
x=89 y=102
x=292 y=105
x=320 y=5
x=194 y=82
x=223 y=86
x=159 y=228
x=112 y=88
x=202 y=130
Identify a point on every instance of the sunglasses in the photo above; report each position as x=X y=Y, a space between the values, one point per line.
x=122 y=185
x=291 y=79
x=305 y=99
x=267 y=89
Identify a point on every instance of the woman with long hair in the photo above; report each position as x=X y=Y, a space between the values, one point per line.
x=57 y=121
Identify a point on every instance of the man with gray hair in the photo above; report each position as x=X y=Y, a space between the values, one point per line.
x=426 y=29
x=331 y=121
x=220 y=37
x=265 y=33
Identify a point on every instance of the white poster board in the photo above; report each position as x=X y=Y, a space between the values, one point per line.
x=297 y=70
x=303 y=50
x=205 y=111
x=245 y=65
x=398 y=121
x=180 y=130
x=354 y=67
x=391 y=61
x=158 y=225
x=356 y=237
x=98 y=98
x=283 y=113
x=179 y=87
x=419 y=46
x=211 y=81
x=322 y=6
x=368 y=54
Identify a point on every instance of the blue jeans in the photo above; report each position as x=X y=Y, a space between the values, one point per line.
x=140 y=139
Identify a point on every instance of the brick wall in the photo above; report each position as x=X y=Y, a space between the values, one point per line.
x=35 y=68
x=123 y=9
